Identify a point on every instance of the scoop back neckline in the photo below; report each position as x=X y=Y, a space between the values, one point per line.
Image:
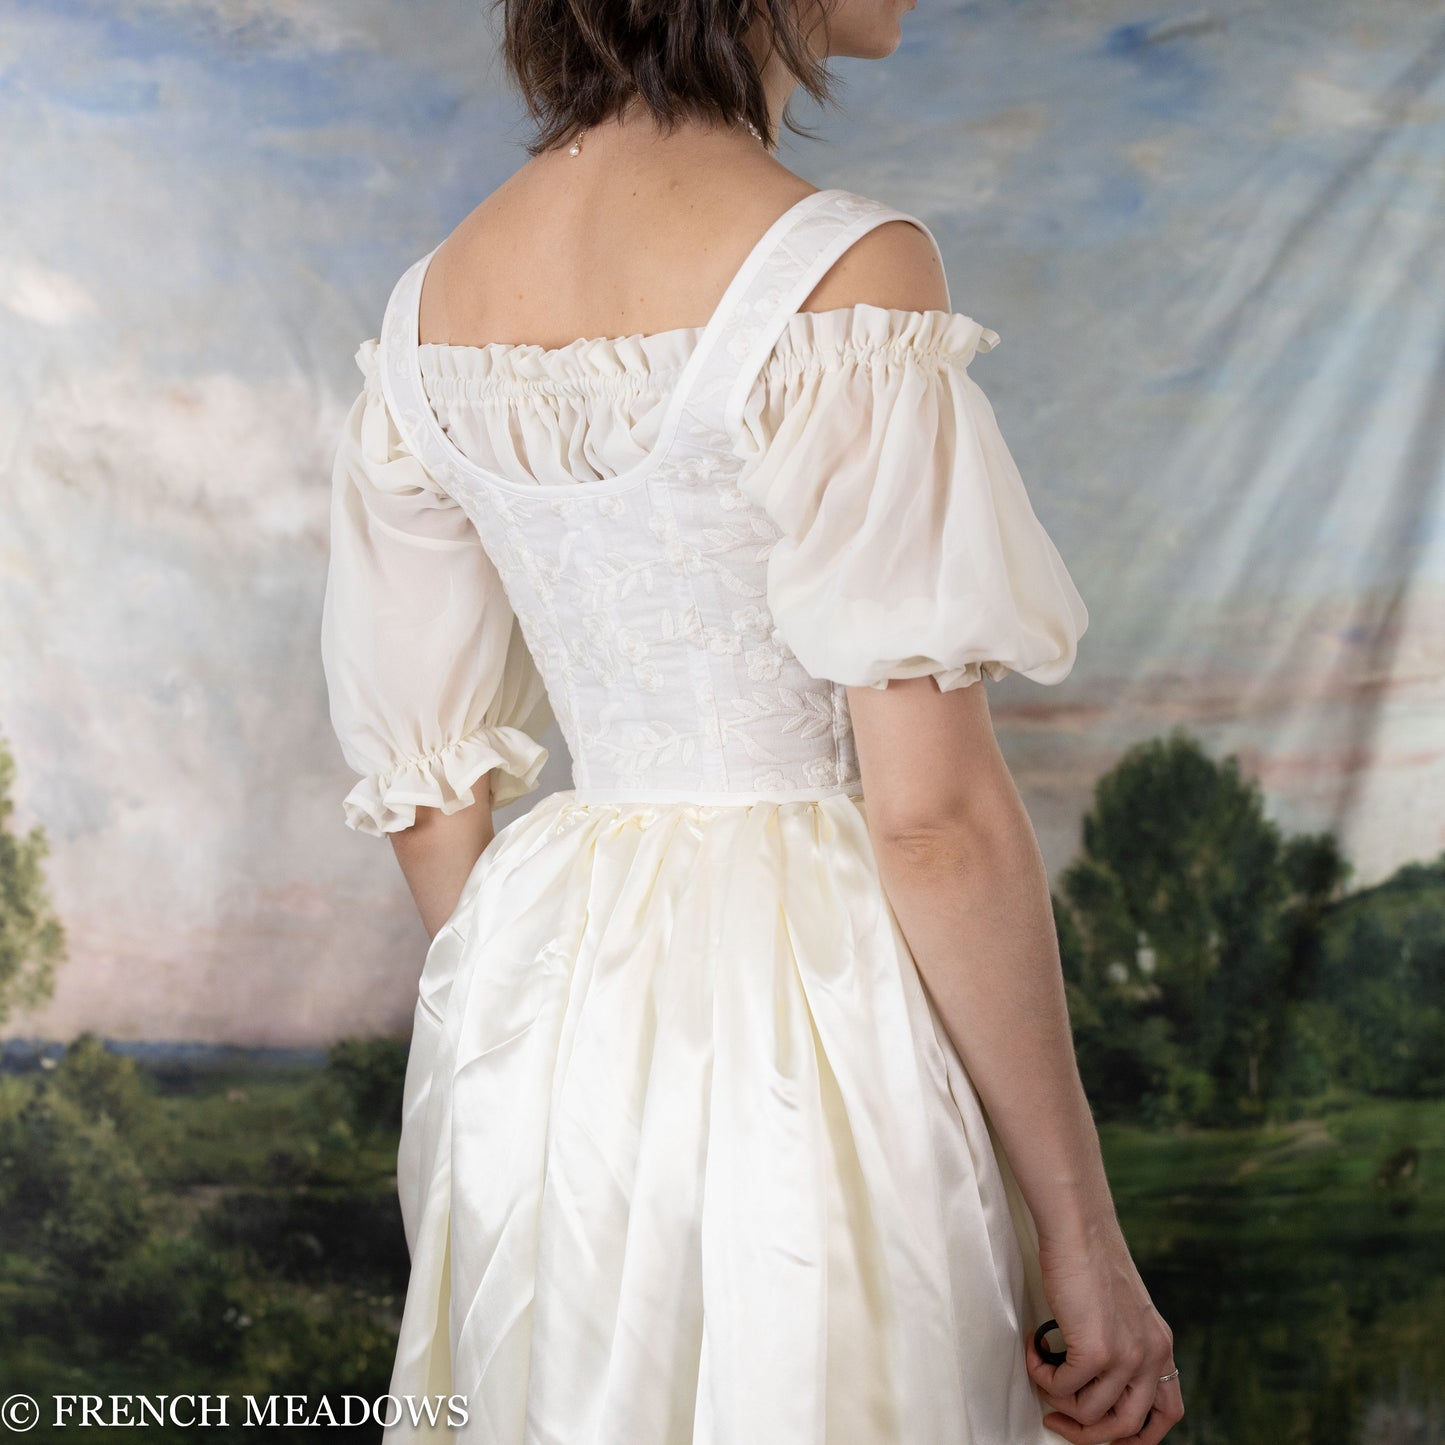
x=402 y=332
x=648 y=465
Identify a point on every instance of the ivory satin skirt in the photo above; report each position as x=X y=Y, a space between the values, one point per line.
x=687 y=1156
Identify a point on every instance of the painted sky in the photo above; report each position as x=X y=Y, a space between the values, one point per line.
x=1210 y=237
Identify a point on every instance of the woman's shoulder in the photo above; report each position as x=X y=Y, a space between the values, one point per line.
x=895 y=265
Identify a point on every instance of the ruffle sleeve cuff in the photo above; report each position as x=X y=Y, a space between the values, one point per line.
x=384 y=803
x=949 y=678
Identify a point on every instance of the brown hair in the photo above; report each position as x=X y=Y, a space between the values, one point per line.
x=576 y=62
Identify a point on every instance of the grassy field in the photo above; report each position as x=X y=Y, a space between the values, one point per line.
x=1299 y=1265
x=1301 y=1269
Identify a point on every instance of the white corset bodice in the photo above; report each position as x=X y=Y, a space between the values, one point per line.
x=643 y=597
x=646 y=611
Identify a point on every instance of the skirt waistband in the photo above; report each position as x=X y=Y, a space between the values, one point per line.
x=608 y=794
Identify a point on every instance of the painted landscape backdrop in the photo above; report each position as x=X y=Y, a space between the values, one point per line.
x=1211 y=239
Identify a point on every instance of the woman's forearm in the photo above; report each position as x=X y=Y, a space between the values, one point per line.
x=438 y=852
x=973 y=903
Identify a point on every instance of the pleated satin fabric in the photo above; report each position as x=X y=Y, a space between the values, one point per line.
x=674 y=1052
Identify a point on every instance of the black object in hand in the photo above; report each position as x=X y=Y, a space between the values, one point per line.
x=1049 y=1357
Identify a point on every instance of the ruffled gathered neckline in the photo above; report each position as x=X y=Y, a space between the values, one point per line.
x=809 y=339
x=592 y=409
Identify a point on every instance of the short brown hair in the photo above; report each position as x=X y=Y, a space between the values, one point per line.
x=576 y=62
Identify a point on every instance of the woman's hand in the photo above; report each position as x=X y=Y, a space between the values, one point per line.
x=1108 y=1390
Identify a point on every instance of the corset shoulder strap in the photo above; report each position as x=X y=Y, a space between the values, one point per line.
x=781 y=274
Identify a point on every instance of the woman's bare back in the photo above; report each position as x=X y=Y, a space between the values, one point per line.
x=640 y=234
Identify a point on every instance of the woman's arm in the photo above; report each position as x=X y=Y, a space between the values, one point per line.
x=438 y=852
x=963 y=873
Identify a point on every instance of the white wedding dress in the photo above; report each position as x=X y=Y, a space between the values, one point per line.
x=687 y=1155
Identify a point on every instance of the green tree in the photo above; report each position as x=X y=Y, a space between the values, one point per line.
x=32 y=940
x=1193 y=921
x=71 y=1192
x=101 y=1083
x=1380 y=967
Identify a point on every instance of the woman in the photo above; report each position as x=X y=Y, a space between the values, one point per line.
x=741 y=1105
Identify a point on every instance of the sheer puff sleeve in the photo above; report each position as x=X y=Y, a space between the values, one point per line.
x=908 y=546
x=430 y=683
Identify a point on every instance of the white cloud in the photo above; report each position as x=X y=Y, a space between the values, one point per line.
x=49 y=297
x=212 y=447
x=1316 y=102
